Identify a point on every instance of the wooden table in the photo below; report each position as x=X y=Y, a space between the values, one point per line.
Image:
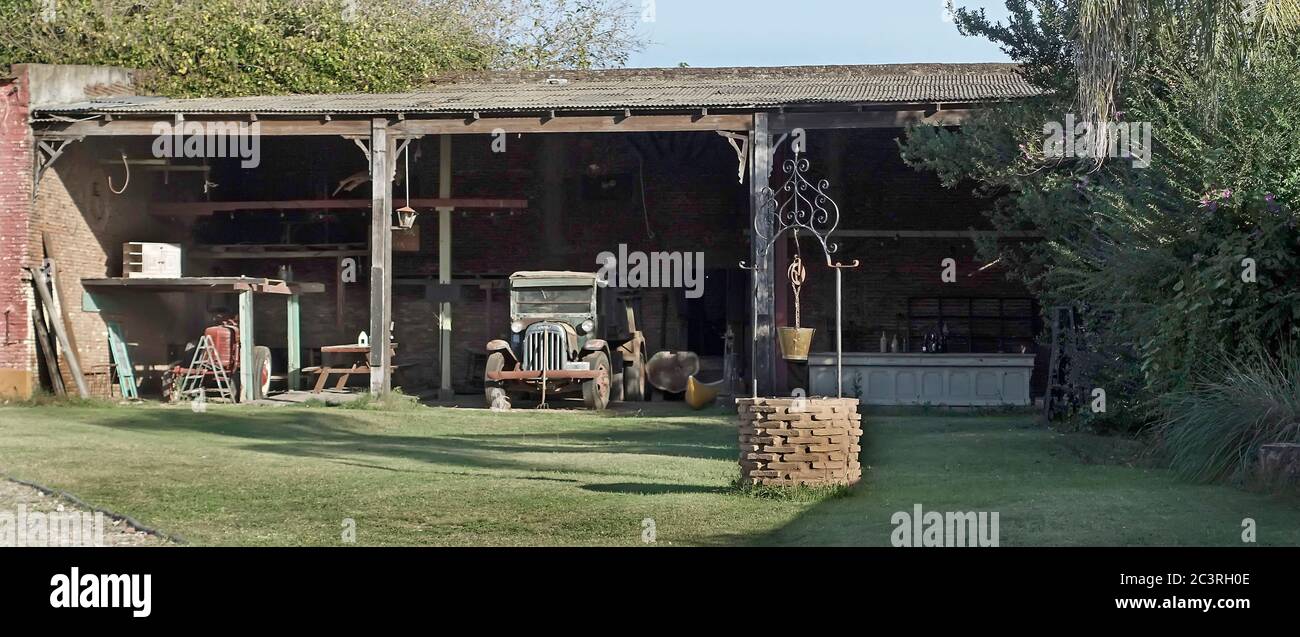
x=324 y=372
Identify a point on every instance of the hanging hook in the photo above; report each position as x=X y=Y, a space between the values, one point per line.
x=127 y=166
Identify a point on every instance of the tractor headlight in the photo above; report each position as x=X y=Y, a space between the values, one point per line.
x=517 y=327
x=588 y=326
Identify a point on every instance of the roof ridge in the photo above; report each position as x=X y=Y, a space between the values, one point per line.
x=751 y=72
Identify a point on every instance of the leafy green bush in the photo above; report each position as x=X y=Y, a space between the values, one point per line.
x=1213 y=430
x=218 y=48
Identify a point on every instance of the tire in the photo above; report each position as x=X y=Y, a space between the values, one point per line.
x=595 y=392
x=493 y=389
x=261 y=372
x=634 y=389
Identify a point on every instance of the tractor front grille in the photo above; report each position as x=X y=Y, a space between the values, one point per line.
x=545 y=347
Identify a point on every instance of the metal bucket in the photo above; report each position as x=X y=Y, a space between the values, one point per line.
x=795 y=342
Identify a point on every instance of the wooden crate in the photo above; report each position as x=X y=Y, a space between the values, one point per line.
x=151 y=260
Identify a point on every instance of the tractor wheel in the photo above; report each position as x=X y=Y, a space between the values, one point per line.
x=595 y=392
x=634 y=389
x=261 y=372
x=493 y=389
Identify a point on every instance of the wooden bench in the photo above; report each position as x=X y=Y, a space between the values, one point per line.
x=324 y=372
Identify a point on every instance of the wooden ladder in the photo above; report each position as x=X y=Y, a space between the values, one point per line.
x=122 y=362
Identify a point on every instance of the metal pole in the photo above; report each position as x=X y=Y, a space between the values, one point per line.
x=839 y=337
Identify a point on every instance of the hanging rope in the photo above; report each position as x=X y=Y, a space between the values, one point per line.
x=127 y=166
x=406 y=178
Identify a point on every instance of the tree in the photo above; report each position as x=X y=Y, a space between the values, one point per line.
x=557 y=34
x=1215 y=38
x=1156 y=253
x=250 y=47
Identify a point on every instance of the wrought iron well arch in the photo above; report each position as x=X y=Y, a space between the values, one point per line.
x=801 y=204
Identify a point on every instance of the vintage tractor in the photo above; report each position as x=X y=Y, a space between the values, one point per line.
x=559 y=345
x=213 y=366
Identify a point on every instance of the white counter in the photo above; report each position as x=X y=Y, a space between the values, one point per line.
x=926 y=379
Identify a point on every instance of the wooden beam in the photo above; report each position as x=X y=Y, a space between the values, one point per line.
x=200 y=208
x=144 y=127
x=786 y=122
x=445 y=390
x=382 y=148
x=938 y=234
x=218 y=255
x=248 y=376
x=313 y=125
x=43 y=290
x=763 y=354
x=294 y=328
x=203 y=285
x=618 y=123
x=60 y=300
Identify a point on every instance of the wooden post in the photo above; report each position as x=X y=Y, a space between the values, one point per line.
x=763 y=354
x=382 y=148
x=554 y=158
x=248 y=377
x=445 y=391
x=43 y=289
x=781 y=312
x=338 y=298
x=294 y=314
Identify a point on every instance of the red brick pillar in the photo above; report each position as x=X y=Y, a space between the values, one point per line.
x=17 y=353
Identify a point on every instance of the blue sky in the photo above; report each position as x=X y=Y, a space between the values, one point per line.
x=791 y=32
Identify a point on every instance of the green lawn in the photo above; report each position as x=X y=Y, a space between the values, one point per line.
x=440 y=476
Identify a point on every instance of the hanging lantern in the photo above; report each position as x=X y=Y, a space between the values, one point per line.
x=406 y=218
x=796 y=341
x=406 y=214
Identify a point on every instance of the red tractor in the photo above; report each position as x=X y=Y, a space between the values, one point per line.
x=214 y=367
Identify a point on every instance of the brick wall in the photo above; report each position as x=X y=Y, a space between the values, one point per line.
x=87 y=224
x=17 y=353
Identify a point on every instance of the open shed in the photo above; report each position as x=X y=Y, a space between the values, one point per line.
x=522 y=171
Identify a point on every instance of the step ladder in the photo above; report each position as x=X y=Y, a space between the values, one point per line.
x=122 y=362
x=205 y=364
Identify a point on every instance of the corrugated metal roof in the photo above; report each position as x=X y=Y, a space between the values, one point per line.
x=637 y=89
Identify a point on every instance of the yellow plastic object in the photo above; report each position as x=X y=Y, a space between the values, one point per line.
x=700 y=395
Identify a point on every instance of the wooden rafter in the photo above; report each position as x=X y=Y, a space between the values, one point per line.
x=200 y=208
x=457 y=125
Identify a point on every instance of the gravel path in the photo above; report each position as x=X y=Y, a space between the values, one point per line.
x=14 y=496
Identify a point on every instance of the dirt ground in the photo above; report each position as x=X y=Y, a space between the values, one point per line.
x=14 y=495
